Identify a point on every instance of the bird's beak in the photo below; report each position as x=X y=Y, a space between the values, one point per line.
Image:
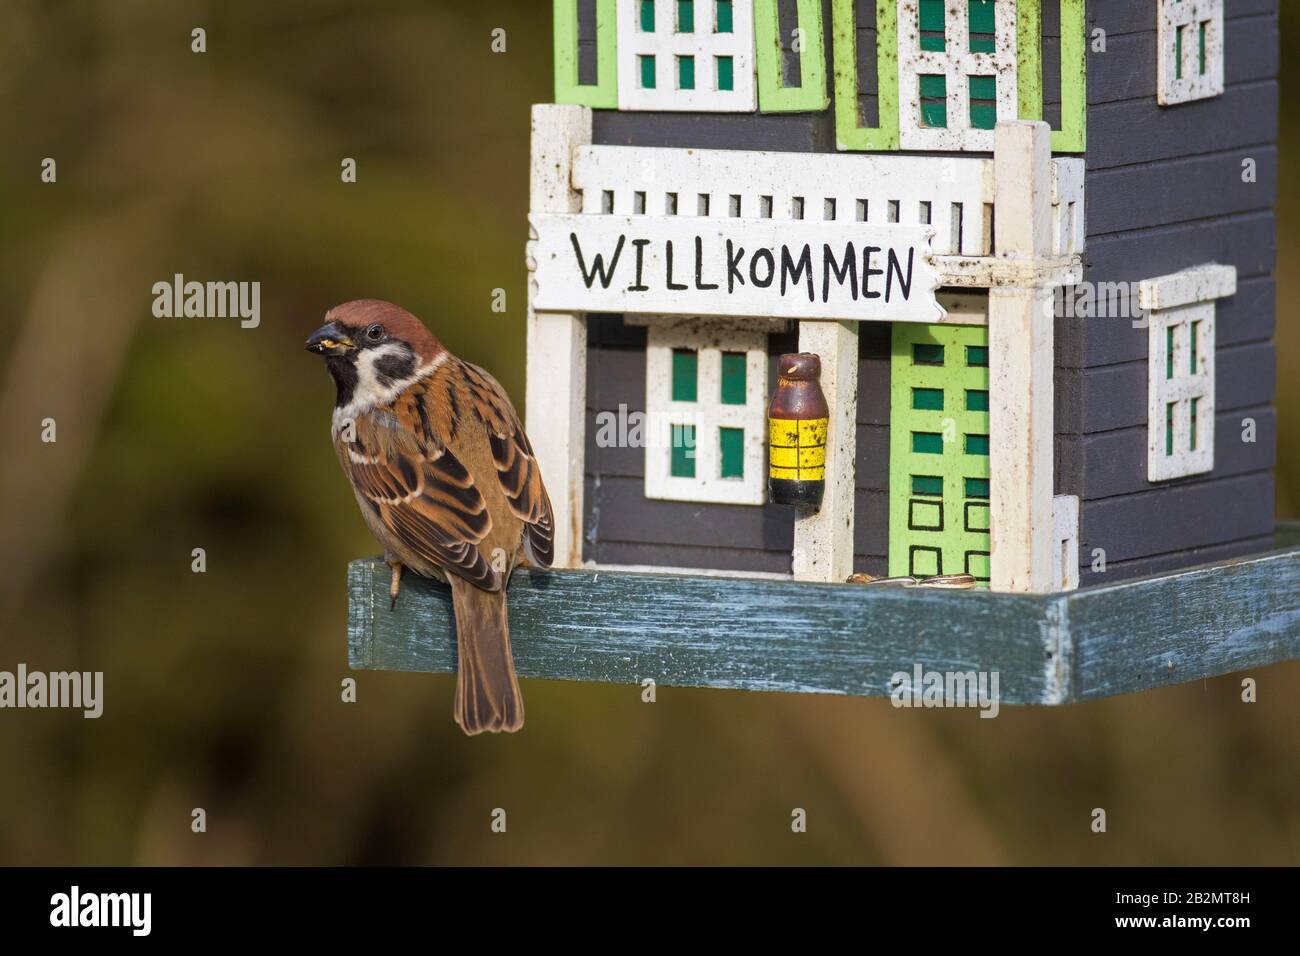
x=329 y=339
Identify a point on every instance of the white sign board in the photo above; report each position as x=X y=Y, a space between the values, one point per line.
x=795 y=269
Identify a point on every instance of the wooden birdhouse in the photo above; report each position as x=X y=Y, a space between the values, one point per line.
x=1030 y=243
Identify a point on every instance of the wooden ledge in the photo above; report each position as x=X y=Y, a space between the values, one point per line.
x=686 y=631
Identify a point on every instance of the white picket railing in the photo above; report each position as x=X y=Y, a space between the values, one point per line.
x=952 y=194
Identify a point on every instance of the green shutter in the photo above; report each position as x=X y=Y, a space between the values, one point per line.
x=685 y=375
x=603 y=94
x=686 y=72
x=724 y=22
x=927 y=443
x=682 y=463
x=931 y=485
x=930 y=14
x=685 y=16
x=849 y=131
x=733 y=378
x=983 y=102
x=731 y=447
x=647 y=72
x=726 y=73
x=938 y=491
x=926 y=353
x=934 y=101
x=1072 y=137
x=983 y=27
x=928 y=399
x=807 y=94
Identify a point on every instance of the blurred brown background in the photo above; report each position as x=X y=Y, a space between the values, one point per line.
x=223 y=689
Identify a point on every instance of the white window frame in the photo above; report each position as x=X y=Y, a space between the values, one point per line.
x=666 y=44
x=958 y=64
x=1185 y=303
x=709 y=338
x=1189 y=15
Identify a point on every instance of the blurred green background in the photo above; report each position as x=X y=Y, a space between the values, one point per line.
x=223 y=689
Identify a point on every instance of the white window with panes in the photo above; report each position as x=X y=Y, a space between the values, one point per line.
x=1180 y=373
x=1191 y=50
x=693 y=55
x=956 y=72
x=706 y=408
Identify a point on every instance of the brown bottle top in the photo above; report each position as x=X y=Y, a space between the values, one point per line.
x=798 y=391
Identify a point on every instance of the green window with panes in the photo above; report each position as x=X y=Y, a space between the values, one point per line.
x=939 y=451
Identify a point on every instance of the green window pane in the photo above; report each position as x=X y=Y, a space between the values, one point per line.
x=1178 y=53
x=685 y=372
x=925 y=354
x=1196 y=334
x=1202 y=51
x=1195 y=402
x=983 y=102
x=1169 y=428
x=979 y=565
x=685 y=16
x=977 y=487
x=686 y=72
x=733 y=378
x=682 y=463
x=931 y=485
x=1169 y=352
x=977 y=444
x=976 y=400
x=934 y=101
x=724 y=22
x=977 y=356
x=932 y=25
x=648 y=16
x=726 y=73
x=647 y=72
x=925 y=562
x=983 y=27
x=927 y=443
x=731 y=444
x=928 y=399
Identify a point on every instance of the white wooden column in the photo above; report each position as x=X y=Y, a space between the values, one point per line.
x=823 y=540
x=1021 y=423
x=556 y=395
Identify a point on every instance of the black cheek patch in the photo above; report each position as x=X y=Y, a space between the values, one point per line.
x=394 y=368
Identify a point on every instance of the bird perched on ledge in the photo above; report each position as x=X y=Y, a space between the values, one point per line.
x=446 y=480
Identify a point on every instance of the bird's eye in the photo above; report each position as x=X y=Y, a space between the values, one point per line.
x=375 y=333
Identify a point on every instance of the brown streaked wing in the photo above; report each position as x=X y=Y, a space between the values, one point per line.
x=425 y=497
x=516 y=465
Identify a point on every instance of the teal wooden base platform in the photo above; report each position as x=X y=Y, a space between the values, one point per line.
x=622 y=627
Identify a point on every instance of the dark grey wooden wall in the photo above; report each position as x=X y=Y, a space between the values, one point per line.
x=620 y=525
x=1165 y=192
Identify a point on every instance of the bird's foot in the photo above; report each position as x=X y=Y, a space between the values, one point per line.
x=396 y=586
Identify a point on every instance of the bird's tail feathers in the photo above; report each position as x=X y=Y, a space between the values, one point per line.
x=487 y=691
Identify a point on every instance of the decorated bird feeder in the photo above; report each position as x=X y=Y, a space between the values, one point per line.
x=844 y=265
